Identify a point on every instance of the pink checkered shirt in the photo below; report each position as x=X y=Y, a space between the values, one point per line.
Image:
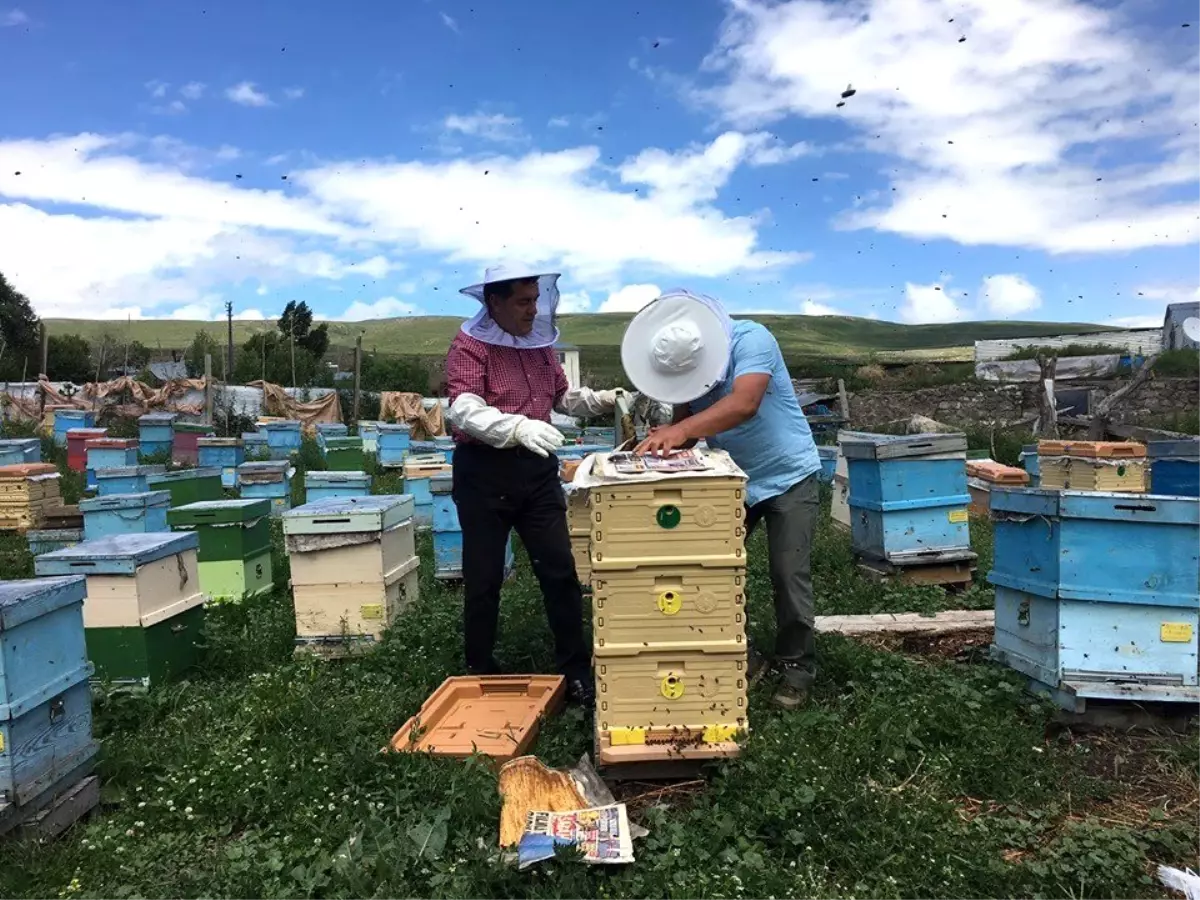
x=518 y=382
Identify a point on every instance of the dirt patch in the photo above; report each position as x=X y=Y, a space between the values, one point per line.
x=958 y=646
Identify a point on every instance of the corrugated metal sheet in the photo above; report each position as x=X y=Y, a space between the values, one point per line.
x=1140 y=341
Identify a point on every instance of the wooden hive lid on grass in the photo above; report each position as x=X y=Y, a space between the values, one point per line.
x=117 y=555
x=349 y=514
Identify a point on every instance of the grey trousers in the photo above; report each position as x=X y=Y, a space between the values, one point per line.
x=791 y=520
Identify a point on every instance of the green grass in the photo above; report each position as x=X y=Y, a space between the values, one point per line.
x=816 y=338
x=907 y=776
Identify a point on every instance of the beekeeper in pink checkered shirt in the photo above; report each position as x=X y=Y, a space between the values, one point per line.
x=504 y=379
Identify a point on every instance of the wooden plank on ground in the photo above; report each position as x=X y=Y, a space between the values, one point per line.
x=65 y=811
x=947 y=622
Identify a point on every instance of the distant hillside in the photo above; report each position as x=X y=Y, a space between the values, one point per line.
x=829 y=338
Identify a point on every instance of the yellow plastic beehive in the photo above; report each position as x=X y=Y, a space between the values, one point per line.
x=666 y=606
x=666 y=523
x=692 y=687
x=1086 y=474
x=578 y=513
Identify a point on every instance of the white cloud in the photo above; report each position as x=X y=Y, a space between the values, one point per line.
x=385 y=308
x=262 y=290
x=1008 y=295
x=1168 y=293
x=248 y=315
x=574 y=302
x=13 y=17
x=173 y=108
x=157 y=89
x=193 y=90
x=246 y=94
x=293 y=93
x=1002 y=139
x=630 y=298
x=450 y=22
x=491 y=127
x=228 y=153
x=1136 y=322
x=926 y=304
x=559 y=122
x=149 y=232
x=812 y=308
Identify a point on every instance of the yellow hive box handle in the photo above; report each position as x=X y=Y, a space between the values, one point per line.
x=625 y=737
x=670 y=602
x=672 y=687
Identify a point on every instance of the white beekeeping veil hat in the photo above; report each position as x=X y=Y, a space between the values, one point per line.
x=483 y=327
x=677 y=348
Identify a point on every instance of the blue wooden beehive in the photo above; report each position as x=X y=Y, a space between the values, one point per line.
x=29 y=450
x=1029 y=462
x=322 y=485
x=328 y=430
x=254 y=445
x=283 y=438
x=1098 y=594
x=117 y=514
x=828 y=463
x=45 y=701
x=443 y=446
x=225 y=454
x=11 y=456
x=394 y=439
x=447 y=533
x=109 y=453
x=1175 y=467
x=156 y=433
x=126 y=479
x=48 y=540
x=66 y=419
x=271 y=479
x=908 y=496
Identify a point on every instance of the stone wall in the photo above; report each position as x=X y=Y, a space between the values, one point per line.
x=980 y=403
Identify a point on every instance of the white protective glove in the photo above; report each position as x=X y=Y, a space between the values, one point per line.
x=485 y=423
x=584 y=402
x=540 y=437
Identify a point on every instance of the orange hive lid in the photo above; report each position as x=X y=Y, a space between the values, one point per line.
x=996 y=473
x=27 y=470
x=1093 y=449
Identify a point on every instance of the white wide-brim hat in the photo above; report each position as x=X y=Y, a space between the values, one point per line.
x=506 y=271
x=677 y=348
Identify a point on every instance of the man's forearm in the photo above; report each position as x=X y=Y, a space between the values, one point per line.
x=728 y=412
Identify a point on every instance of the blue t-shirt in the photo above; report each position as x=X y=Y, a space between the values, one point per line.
x=775 y=448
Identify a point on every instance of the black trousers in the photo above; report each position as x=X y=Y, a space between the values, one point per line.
x=496 y=491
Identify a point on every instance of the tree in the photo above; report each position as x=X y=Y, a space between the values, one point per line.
x=384 y=373
x=296 y=324
x=138 y=355
x=68 y=358
x=268 y=355
x=19 y=335
x=202 y=343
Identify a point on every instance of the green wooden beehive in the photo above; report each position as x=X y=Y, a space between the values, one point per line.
x=344 y=454
x=235 y=545
x=188 y=485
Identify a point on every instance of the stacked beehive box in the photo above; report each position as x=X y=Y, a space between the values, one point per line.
x=46 y=744
x=579 y=524
x=908 y=505
x=144 y=610
x=67 y=419
x=124 y=514
x=323 y=485
x=234 y=554
x=668 y=582
x=108 y=453
x=255 y=445
x=187 y=485
x=1093 y=466
x=447 y=533
x=840 y=505
x=392 y=444
x=344 y=454
x=354 y=570
x=27 y=494
x=983 y=475
x=156 y=433
x=77 y=439
x=126 y=479
x=28 y=450
x=271 y=479
x=418 y=470
x=185 y=444
x=369 y=432
x=330 y=429
x=225 y=454
x=283 y=437
x=1098 y=594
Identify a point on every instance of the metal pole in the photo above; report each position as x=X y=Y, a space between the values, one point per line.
x=229 y=349
x=357 y=373
x=208 y=391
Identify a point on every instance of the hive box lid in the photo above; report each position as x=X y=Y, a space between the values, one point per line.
x=111 y=443
x=26 y=599
x=343 y=443
x=336 y=478
x=185 y=474
x=193 y=428
x=394 y=428
x=282 y=425
x=125 y=501
x=219 y=512
x=86 y=433
x=120 y=554
x=18 y=442
x=332 y=427
x=1184 y=448
x=827 y=452
x=497 y=716
x=341 y=514
x=442 y=484
x=1104 y=505
x=130 y=471
x=253 y=437
x=266 y=465
x=27 y=470
x=218 y=442
x=900 y=446
x=157 y=418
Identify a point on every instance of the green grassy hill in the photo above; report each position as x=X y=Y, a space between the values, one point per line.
x=830 y=338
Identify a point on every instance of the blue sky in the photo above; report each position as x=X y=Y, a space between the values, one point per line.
x=373 y=159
